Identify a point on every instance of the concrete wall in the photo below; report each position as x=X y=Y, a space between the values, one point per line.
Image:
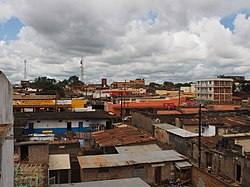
x=142 y=121
x=6 y=117
x=201 y=178
x=225 y=165
x=161 y=135
x=145 y=171
x=60 y=127
x=68 y=148
x=181 y=145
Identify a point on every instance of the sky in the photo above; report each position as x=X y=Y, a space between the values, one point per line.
x=167 y=40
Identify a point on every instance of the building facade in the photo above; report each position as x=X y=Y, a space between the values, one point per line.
x=6 y=133
x=63 y=122
x=216 y=90
x=137 y=83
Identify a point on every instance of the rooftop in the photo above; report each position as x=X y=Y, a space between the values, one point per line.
x=218 y=121
x=121 y=136
x=138 y=148
x=211 y=141
x=224 y=107
x=33 y=97
x=245 y=144
x=130 y=182
x=182 y=133
x=192 y=110
x=62 y=115
x=165 y=126
x=59 y=162
x=64 y=141
x=124 y=159
x=161 y=112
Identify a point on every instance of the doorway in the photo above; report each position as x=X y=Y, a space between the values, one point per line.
x=157 y=175
x=238 y=172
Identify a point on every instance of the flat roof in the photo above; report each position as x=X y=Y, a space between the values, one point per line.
x=215 y=79
x=183 y=165
x=236 y=135
x=59 y=162
x=130 y=182
x=161 y=112
x=182 y=133
x=165 y=126
x=124 y=135
x=245 y=145
x=138 y=148
x=62 y=115
x=124 y=159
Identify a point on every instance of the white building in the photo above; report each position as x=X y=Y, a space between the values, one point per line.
x=217 y=90
x=62 y=122
x=6 y=133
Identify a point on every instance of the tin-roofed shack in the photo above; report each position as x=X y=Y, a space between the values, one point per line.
x=125 y=135
x=154 y=167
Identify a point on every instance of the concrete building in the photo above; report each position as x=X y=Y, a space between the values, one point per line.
x=137 y=83
x=62 y=122
x=216 y=90
x=6 y=133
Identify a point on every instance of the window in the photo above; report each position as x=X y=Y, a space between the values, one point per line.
x=38 y=121
x=60 y=120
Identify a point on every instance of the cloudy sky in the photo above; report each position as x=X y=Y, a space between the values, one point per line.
x=158 y=40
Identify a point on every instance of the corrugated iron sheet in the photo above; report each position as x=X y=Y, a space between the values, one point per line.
x=113 y=160
x=138 y=148
x=121 y=136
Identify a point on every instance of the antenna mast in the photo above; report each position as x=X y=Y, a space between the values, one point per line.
x=81 y=69
x=25 y=70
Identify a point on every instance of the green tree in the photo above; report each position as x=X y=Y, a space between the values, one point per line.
x=74 y=80
x=47 y=86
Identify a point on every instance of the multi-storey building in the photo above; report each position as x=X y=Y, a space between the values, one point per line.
x=137 y=83
x=216 y=90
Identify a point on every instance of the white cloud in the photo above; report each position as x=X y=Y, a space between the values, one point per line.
x=120 y=41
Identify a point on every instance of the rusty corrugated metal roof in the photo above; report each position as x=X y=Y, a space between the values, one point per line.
x=124 y=159
x=138 y=148
x=121 y=136
x=228 y=121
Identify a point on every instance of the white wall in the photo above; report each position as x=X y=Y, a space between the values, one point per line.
x=63 y=124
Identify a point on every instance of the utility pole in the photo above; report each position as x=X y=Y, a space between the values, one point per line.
x=124 y=98
x=199 y=136
x=179 y=97
x=25 y=70
x=121 y=106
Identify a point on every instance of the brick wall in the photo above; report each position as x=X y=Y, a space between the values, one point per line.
x=39 y=154
x=201 y=178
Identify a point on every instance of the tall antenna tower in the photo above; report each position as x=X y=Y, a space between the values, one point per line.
x=81 y=69
x=25 y=70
